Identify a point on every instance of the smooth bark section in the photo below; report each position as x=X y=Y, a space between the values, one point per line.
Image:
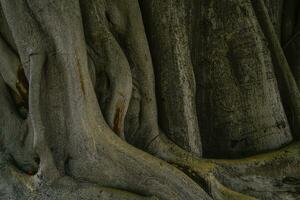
x=9 y=66
x=114 y=81
x=5 y=31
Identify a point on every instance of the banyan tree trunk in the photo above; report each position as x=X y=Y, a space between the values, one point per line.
x=128 y=99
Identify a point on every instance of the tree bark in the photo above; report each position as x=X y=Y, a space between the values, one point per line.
x=128 y=99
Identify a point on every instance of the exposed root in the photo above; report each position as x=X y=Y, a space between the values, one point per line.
x=17 y=185
x=219 y=192
x=237 y=178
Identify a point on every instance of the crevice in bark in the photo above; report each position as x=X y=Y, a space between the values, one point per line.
x=289 y=18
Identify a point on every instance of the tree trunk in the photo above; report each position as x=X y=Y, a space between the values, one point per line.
x=115 y=99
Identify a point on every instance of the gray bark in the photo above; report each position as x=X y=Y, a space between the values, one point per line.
x=237 y=96
x=90 y=89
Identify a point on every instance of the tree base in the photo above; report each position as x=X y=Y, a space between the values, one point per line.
x=273 y=175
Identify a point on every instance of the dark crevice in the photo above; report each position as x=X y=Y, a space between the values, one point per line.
x=25 y=168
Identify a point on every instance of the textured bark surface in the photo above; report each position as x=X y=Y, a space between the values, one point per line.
x=174 y=71
x=238 y=99
x=128 y=99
